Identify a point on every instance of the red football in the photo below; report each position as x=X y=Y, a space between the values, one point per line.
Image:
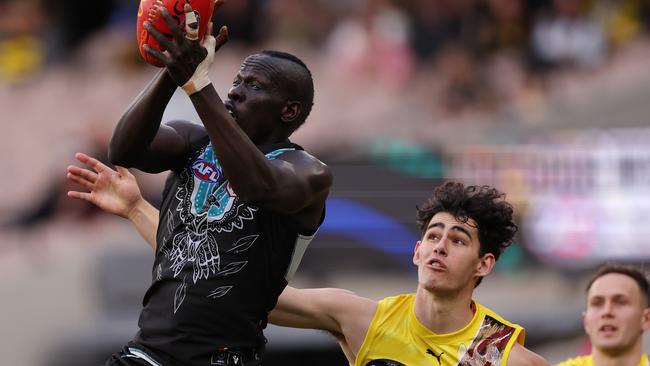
x=147 y=12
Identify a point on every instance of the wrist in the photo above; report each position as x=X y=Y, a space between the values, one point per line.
x=200 y=79
x=196 y=85
x=137 y=210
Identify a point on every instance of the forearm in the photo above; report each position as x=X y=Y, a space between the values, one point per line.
x=145 y=219
x=246 y=168
x=139 y=124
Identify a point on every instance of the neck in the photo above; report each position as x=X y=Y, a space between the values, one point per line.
x=443 y=313
x=629 y=357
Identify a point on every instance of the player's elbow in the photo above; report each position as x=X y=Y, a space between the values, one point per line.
x=117 y=155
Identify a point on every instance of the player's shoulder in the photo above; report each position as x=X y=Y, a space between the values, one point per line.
x=398 y=299
x=577 y=361
x=190 y=129
x=299 y=155
x=308 y=165
x=521 y=356
x=184 y=125
x=194 y=133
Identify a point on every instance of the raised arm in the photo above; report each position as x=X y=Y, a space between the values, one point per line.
x=116 y=192
x=139 y=140
x=296 y=183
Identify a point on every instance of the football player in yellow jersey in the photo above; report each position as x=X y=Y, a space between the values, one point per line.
x=464 y=230
x=617 y=315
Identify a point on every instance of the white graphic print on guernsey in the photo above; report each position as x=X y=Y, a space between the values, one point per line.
x=207 y=205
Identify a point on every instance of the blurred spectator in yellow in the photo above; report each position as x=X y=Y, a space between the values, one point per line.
x=623 y=20
x=21 y=50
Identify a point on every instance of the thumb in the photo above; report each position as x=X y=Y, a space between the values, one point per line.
x=123 y=171
x=222 y=37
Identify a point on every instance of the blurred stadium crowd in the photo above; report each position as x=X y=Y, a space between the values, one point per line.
x=545 y=99
x=468 y=55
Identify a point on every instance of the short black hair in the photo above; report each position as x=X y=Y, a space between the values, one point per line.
x=300 y=84
x=483 y=204
x=634 y=273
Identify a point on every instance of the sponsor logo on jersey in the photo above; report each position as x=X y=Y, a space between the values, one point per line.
x=437 y=356
x=206 y=171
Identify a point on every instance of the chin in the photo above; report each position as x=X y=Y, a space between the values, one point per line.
x=612 y=346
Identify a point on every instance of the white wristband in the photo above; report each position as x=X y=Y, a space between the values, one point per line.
x=200 y=79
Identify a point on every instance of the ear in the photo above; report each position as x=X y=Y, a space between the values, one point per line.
x=416 y=253
x=485 y=265
x=645 y=323
x=291 y=111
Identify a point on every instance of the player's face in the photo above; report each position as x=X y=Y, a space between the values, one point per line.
x=616 y=314
x=254 y=100
x=448 y=255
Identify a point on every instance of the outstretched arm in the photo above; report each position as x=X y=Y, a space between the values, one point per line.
x=335 y=310
x=115 y=192
x=521 y=356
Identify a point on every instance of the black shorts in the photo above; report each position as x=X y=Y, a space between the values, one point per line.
x=132 y=356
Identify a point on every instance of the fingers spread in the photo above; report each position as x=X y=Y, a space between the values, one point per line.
x=164 y=42
x=80 y=180
x=171 y=24
x=97 y=165
x=80 y=195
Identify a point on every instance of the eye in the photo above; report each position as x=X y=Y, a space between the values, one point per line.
x=236 y=82
x=459 y=241
x=255 y=85
x=620 y=300
x=596 y=302
x=433 y=237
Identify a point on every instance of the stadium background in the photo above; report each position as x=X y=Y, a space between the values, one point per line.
x=546 y=100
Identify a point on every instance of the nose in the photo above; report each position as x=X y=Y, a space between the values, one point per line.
x=440 y=246
x=608 y=310
x=235 y=93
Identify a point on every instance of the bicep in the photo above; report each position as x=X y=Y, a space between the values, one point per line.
x=171 y=147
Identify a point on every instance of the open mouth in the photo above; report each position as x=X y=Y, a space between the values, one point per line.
x=436 y=264
x=607 y=328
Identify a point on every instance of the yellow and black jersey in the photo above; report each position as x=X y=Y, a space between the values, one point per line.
x=396 y=338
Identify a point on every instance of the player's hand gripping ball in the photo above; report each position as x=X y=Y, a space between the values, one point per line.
x=147 y=12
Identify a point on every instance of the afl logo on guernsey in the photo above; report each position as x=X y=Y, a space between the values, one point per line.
x=206 y=171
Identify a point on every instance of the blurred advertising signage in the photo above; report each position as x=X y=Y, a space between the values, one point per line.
x=582 y=199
